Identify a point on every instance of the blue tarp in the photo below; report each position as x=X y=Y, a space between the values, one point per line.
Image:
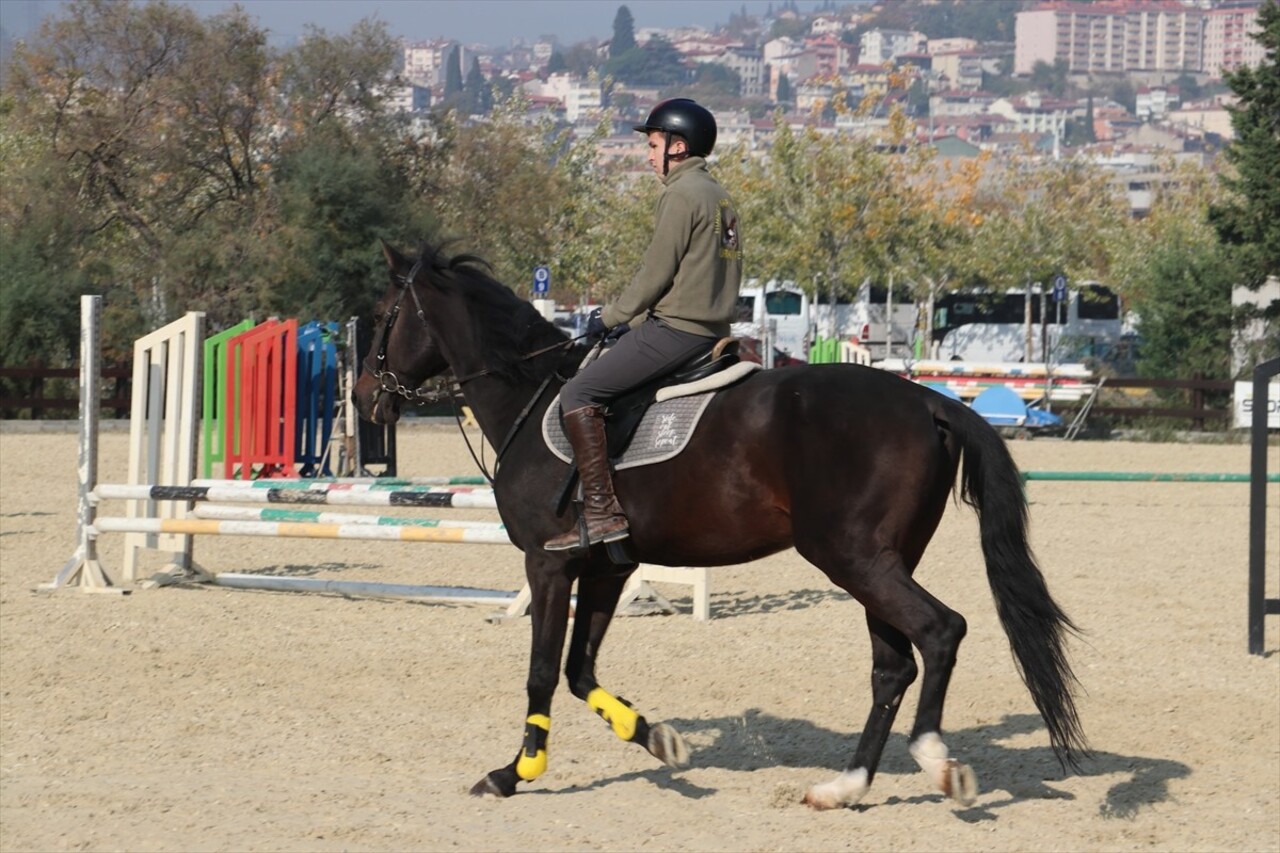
x=1002 y=406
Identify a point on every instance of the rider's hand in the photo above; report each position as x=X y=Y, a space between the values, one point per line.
x=617 y=332
x=596 y=329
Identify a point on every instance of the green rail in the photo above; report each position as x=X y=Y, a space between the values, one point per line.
x=1142 y=477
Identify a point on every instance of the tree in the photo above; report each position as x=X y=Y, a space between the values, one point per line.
x=1051 y=78
x=784 y=95
x=1249 y=223
x=336 y=77
x=658 y=64
x=142 y=148
x=159 y=119
x=624 y=33
x=1174 y=277
x=1185 y=317
x=477 y=97
x=453 y=76
x=1041 y=218
x=714 y=86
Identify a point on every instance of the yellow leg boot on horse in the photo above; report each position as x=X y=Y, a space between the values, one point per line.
x=601 y=513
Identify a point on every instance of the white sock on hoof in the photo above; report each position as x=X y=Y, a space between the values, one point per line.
x=931 y=754
x=844 y=790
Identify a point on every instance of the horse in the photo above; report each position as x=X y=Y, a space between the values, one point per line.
x=850 y=465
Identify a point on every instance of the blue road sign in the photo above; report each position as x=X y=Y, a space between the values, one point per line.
x=1059 y=287
x=541 y=279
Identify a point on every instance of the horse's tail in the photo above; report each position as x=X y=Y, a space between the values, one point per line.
x=1036 y=626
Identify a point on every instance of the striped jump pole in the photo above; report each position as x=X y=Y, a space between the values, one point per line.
x=422 y=496
x=371 y=483
x=256 y=513
x=301 y=530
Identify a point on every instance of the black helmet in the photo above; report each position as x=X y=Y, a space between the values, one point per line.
x=686 y=118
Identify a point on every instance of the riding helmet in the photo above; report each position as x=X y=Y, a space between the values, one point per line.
x=686 y=118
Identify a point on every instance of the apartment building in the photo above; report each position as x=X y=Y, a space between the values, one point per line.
x=961 y=69
x=1138 y=35
x=1228 y=39
x=748 y=63
x=879 y=46
x=830 y=54
x=1153 y=103
x=1036 y=115
x=424 y=61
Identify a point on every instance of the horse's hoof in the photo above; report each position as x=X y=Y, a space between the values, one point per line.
x=845 y=790
x=493 y=785
x=819 y=801
x=668 y=746
x=960 y=783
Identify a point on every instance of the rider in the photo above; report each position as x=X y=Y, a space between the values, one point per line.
x=685 y=295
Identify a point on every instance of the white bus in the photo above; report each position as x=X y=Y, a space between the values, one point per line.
x=799 y=319
x=992 y=327
x=777 y=310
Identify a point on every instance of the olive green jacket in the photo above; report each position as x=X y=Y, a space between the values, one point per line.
x=690 y=274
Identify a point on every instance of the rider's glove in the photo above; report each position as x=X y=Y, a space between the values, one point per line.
x=596 y=329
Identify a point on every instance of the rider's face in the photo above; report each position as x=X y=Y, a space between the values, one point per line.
x=656 y=140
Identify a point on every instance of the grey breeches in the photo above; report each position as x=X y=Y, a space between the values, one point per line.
x=648 y=351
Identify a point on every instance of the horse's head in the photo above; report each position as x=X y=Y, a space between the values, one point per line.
x=404 y=352
x=444 y=312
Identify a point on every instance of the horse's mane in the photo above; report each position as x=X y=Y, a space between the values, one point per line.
x=507 y=327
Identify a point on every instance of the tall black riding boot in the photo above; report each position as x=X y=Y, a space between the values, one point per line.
x=600 y=509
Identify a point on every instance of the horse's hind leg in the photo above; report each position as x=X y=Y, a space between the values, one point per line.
x=549 y=612
x=893 y=670
x=597 y=600
x=892 y=597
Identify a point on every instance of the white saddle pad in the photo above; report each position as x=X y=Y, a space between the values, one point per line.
x=666 y=426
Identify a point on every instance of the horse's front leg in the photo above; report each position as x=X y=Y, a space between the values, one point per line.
x=597 y=600
x=549 y=585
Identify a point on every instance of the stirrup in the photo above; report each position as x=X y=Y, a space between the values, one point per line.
x=584 y=541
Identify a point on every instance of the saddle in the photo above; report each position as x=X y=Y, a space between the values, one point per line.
x=664 y=410
x=663 y=413
x=626 y=412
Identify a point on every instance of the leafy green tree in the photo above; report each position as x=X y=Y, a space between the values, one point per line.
x=453 y=76
x=1185 y=314
x=1039 y=218
x=1051 y=78
x=784 y=94
x=146 y=149
x=580 y=59
x=657 y=63
x=1249 y=223
x=158 y=118
x=477 y=97
x=990 y=20
x=341 y=76
x=714 y=86
x=624 y=33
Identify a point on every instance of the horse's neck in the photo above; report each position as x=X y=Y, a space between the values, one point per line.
x=497 y=406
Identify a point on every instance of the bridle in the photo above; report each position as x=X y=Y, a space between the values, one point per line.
x=389 y=383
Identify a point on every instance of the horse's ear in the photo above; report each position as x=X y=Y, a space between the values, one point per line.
x=395 y=260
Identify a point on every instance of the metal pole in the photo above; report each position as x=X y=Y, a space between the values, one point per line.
x=83 y=567
x=1259 y=607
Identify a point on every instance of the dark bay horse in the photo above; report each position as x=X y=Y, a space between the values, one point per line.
x=852 y=466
